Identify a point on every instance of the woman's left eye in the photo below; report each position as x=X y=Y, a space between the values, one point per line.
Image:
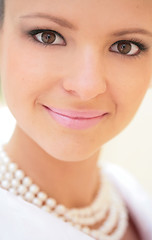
x=47 y=37
x=126 y=48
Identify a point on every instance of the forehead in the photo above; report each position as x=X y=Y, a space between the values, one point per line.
x=95 y=13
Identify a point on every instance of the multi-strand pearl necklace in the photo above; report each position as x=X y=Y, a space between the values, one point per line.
x=107 y=208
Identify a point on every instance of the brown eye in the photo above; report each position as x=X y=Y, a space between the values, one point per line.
x=125 y=47
x=49 y=38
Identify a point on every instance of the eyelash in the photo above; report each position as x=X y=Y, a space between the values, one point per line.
x=139 y=43
x=142 y=47
x=34 y=32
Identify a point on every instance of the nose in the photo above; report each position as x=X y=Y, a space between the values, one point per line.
x=87 y=78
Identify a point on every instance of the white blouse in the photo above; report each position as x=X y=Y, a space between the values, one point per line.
x=20 y=220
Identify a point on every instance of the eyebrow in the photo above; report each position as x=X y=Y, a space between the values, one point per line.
x=60 y=21
x=64 y=23
x=132 y=31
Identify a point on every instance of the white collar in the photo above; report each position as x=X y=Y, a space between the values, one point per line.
x=138 y=202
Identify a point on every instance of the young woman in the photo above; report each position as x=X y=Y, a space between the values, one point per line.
x=74 y=74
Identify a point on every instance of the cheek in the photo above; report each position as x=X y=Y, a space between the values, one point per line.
x=129 y=82
x=31 y=71
x=25 y=74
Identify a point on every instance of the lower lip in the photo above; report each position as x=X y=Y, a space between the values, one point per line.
x=77 y=123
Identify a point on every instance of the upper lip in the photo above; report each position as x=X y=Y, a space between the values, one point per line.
x=78 y=114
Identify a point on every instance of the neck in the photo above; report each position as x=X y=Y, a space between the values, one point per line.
x=73 y=184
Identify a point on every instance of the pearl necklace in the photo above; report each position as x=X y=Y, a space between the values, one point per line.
x=107 y=207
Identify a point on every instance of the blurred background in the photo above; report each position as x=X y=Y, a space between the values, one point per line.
x=131 y=149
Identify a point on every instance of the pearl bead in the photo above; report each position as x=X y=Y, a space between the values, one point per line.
x=60 y=209
x=83 y=221
x=46 y=208
x=12 y=167
x=88 y=212
x=34 y=189
x=95 y=207
x=6 y=160
x=3 y=169
x=2 y=154
x=27 y=181
x=75 y=220
x=29 y=196
x=68 y=216
x=5 y=184
x=15 y=183
x=94 y=233
x=8 y=176
x=13 y=191
x=73 y=212
x=51 y=203
x=85 y=212
x=86 y=230
x=37 y=202
x=42 y=196
x=19 y=174
x=91 y=220
x=22 y=189
x=112 y=219
x=70 y=223
x=88 y=221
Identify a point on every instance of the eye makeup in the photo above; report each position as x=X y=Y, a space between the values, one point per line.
x=137 y=42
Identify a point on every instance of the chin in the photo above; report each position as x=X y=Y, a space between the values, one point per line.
x=67 y=154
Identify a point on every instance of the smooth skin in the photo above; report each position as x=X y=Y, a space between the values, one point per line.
x=82 y=70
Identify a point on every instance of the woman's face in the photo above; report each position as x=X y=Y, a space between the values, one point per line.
x=95 y=55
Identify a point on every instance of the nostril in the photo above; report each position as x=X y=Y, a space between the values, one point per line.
x=86 y=92
x=71 y=92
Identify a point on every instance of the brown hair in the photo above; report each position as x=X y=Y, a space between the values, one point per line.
x=1 y=10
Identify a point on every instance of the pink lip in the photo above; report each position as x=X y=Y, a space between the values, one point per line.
x=76 y=119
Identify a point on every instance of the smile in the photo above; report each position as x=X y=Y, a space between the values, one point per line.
x=76 y=119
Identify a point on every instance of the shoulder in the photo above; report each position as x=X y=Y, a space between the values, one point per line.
x=137 y=201
x=22 y=220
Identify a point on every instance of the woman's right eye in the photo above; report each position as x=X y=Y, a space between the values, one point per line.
x=48 y=37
